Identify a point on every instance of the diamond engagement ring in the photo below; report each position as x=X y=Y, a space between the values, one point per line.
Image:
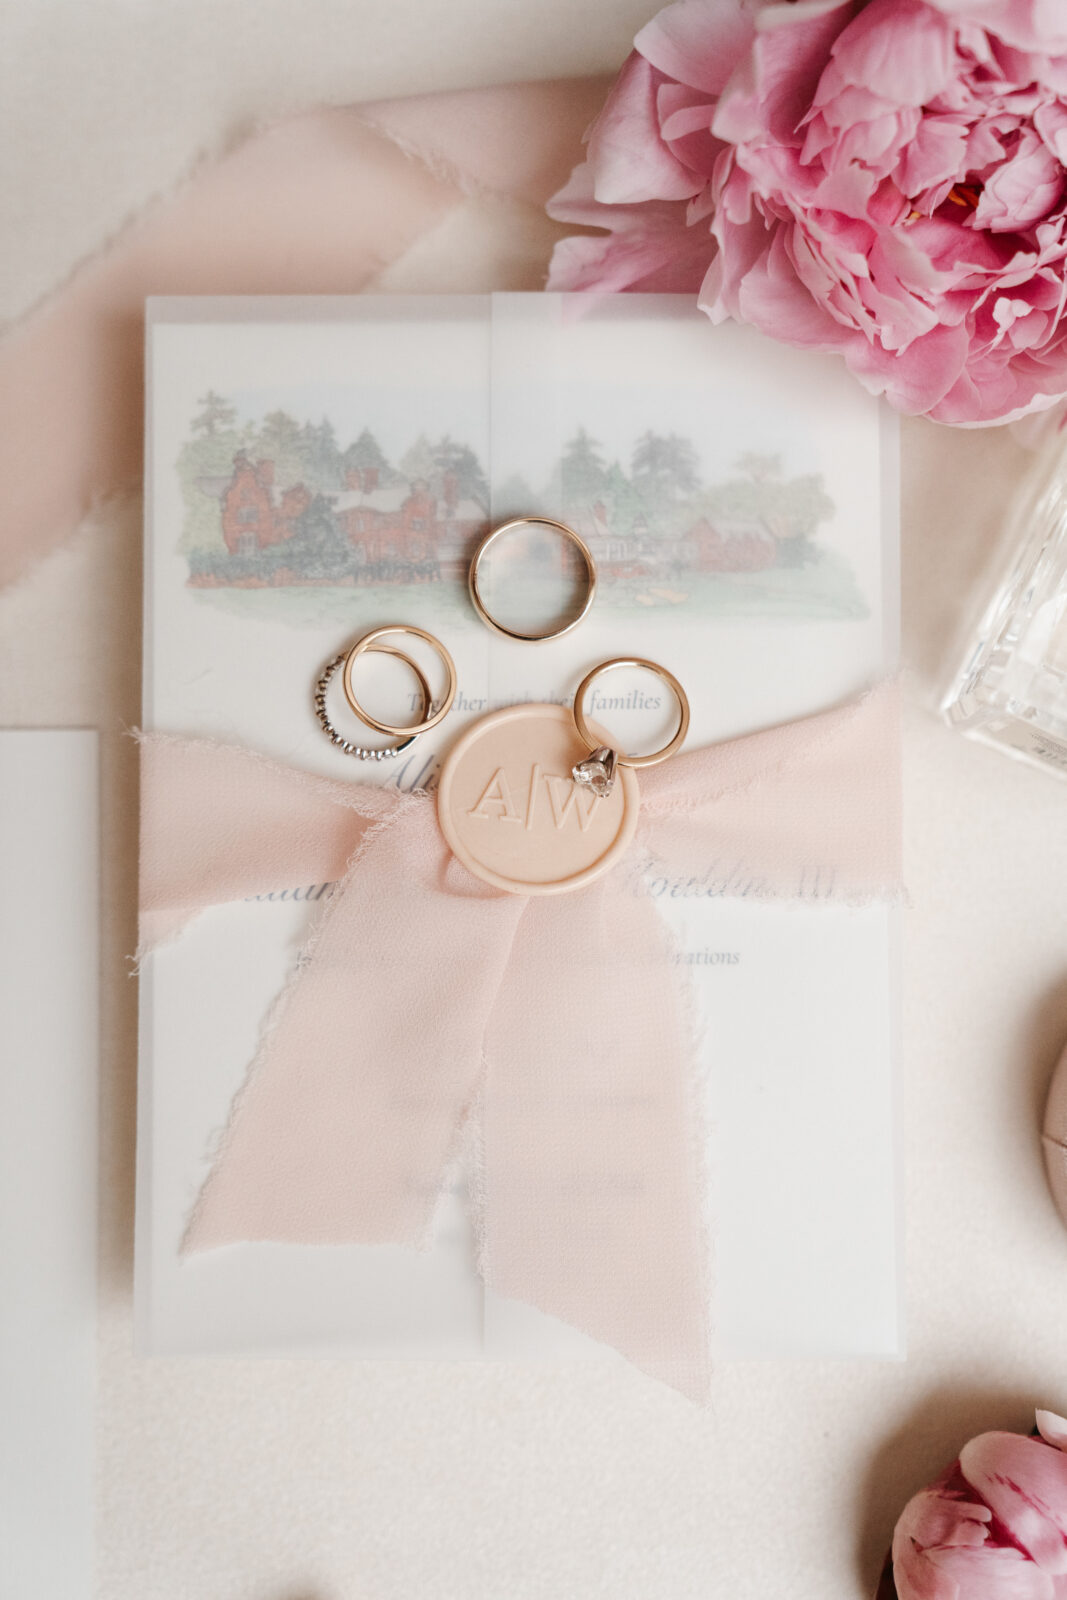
x=596 y=771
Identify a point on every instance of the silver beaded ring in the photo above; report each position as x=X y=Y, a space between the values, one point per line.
x=345 y=745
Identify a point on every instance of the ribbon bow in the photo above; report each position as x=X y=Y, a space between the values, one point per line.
x=424 y=1000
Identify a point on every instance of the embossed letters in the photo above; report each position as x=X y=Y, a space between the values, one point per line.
x=497 y=801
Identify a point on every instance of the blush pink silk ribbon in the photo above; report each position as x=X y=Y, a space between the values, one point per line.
x=425 y=1001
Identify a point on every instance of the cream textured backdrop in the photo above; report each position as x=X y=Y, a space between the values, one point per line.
x=231 y=1480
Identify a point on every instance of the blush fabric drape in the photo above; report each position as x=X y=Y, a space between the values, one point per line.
x=554 y=1032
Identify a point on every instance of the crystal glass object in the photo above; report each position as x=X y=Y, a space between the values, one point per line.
x=1011 y=688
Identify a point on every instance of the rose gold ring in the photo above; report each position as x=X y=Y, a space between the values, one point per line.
x=369 y=642
x=593 y=743
x=335 y=736
x=478 y=599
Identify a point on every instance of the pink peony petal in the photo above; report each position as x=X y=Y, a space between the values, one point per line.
x=1022 y=190
x=944 y=1548
x=1019 y=323
x=771 y=296
x=1052 y=1428
x=974 y=42
x=682 y=111
x=984 y=147
x=651 y=248
x=930 y=1521
x=789 y=55
x=875 y=145
x=840 y=294
x=1012 y=396
x=938 y=1516
x=917 y=381
x=896 y=253
x=685 y=127
x=848 y=189
x=899 y=319
x=630 y=162
x=1024 y=1482
x=883 y=178
x=698 y=42
x=743 y=236
x=993 y=1574
x=842 y=105
x=576 y=202
x=1030 y=24
x=1050 y=120
x=640 y=261
x=936 y=152
x=898 y=48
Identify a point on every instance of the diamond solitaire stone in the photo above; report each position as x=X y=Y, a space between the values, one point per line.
x=597 y=771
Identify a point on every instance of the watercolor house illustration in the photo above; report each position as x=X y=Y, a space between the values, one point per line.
x=723 y=545
x=366 y=532
x=278 y=503
x=406 y=528
x=255 y=512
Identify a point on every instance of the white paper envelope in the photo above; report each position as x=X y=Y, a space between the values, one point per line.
x=49 y=1091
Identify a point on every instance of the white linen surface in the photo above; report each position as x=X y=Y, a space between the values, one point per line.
x=268 y=1480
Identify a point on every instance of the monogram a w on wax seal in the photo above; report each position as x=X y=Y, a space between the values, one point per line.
x=511 y=811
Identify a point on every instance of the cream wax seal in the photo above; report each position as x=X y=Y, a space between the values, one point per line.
x=512 y=812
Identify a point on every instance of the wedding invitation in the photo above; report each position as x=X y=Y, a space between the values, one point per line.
x=320 y=467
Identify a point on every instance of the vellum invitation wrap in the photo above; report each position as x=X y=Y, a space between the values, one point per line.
x=387 y=1107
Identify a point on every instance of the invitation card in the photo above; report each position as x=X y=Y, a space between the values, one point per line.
x=49 y=1098
x=321 y=467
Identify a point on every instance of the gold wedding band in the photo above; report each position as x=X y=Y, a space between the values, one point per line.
x=369 y=642
x=474 y=586
x=592 y=740
x=364 y=752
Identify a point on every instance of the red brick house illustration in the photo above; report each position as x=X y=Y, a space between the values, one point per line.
x=255 y=513
x=733 y=547
x=405 y=529
x=703 y=546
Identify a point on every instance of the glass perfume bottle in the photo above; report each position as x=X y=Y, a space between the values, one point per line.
x=1011 y=688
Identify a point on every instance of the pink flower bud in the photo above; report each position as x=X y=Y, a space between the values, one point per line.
x=994 y=1527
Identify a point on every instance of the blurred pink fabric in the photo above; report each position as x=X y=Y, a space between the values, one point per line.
x=428 y=1005
x=319 y=204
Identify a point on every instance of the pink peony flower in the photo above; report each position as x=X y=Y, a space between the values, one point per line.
x=884 y=180
x=994 y=1527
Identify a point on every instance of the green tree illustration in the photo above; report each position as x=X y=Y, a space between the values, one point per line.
x=760 y=468
x=582 y=472
x=665 y=469
x=459 y=459
x=789 y=509
x=366 y=452
x=808 y=504
x=623 y=502
x=793 y=518
x=320 y=456
x=419 y=461
x=319 y=547
x=280 y=440
x=204 y=467
x=216 y=416
x=514 y=498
